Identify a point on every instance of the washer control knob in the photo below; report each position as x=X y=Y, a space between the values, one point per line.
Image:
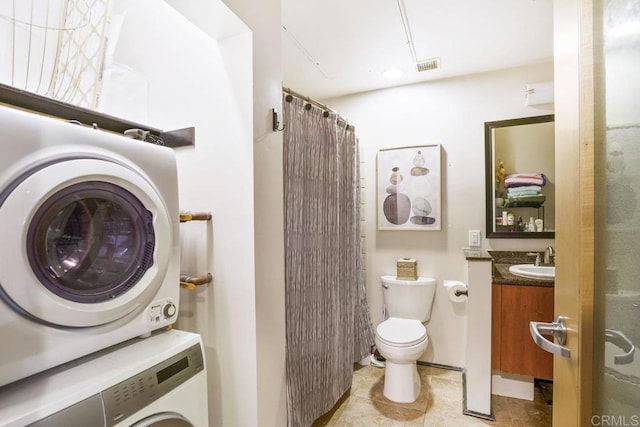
x=169 y=310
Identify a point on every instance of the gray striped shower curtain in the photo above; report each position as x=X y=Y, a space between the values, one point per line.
x=328 y=327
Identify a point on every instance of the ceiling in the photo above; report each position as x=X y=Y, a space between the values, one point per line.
x=337 y=47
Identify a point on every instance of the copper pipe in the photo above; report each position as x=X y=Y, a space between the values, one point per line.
x=197 y=216
x=196 y=281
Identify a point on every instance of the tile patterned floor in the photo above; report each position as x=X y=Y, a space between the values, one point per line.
x=439 y=404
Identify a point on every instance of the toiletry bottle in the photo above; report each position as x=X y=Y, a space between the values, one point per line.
x=520 y=226
x=532 y=225
x=510 y=218
x=539 y=225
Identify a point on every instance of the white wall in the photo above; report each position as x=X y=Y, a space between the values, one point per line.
x=192 y=79
x=264 y=19
x=452 y=113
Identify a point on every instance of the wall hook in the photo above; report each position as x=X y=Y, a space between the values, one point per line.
x=275 y=121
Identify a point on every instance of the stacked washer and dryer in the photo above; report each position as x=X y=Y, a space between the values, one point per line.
x=89 y=256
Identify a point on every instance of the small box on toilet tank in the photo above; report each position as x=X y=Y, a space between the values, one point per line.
x=407 y=269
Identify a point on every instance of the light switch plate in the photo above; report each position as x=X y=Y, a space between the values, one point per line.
x=474 y=238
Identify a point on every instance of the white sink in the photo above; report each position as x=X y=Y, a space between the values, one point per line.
x=531 y=271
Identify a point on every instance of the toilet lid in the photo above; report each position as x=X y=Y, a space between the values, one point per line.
x=401 y=332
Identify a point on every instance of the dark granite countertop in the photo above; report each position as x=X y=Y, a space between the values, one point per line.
x=502 y=260
x=477 y=255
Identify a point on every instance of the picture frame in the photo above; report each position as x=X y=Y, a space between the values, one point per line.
x=409 y=188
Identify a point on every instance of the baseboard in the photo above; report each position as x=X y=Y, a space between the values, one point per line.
x=439 y=366
x=465 y=411
x=517 y=386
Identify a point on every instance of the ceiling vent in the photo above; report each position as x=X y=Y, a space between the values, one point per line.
x=429 y=64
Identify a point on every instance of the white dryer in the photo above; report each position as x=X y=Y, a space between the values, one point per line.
x=160 y=381
x=89 y=254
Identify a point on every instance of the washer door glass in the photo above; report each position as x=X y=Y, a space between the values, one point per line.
x=91 y=242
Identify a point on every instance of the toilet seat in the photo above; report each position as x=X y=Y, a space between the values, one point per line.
x=399 y=332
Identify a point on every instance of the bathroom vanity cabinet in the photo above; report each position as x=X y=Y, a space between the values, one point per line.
x=513 y=350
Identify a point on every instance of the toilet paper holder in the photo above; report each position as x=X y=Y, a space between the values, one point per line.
x=456 y=290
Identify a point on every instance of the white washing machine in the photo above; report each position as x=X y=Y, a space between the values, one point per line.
x=89 y=253
x=159 y=381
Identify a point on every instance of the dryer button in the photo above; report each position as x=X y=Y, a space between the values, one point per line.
x=169 y=310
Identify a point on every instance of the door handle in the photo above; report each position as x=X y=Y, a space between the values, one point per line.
x=619 y=339
x=558 y=329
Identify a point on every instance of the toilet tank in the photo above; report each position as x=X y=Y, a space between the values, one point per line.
x=408 y=299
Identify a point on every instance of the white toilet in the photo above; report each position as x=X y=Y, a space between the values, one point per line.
x=402 y=337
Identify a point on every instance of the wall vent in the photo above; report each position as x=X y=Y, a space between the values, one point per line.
x=429 y=64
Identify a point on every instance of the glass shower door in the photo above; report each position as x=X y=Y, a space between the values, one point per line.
x=617 y=235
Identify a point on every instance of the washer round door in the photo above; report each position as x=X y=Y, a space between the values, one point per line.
x=164 y=419
x=85 y=243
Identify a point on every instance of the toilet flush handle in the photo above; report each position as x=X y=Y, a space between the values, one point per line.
x=384 y=285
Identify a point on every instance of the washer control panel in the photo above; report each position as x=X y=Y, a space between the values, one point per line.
x=129 y=396
x=161 y=312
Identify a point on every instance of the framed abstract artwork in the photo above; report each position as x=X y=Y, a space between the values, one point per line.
x=408 y=188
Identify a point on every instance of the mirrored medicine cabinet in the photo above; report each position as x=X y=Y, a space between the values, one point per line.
x=525 y=148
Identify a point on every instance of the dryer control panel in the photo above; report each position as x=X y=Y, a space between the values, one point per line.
x=161 y=312
x=127 y=397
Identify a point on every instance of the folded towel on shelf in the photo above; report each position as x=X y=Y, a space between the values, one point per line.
x=525 y=189
x=523 y=193
x=524 y=201
x=523 y=179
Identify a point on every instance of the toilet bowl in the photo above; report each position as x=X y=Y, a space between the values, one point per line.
x=402 y=337
x=401 y=342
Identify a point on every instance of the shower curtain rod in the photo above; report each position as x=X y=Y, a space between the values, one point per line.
x=316 y=103
x=306 y=98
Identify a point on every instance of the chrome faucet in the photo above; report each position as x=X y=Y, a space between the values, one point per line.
x=549 y=253
x=537 y=255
